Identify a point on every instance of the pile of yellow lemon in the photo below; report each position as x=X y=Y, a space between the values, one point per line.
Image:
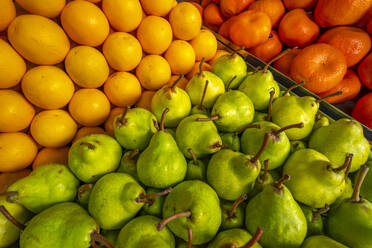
x=67 y=68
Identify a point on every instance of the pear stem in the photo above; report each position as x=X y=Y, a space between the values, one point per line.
x=164 y=222
x=98 y=238
x=266 y=170
x=176 y=82
x=232 y=80
x=134 y=153
x=262 y=149
x=83 y=189
x=7 y=215
x=275 y=59
x=201 y=65
x=189 y=233
x=238 y=50
x=162 y=119
x=241 y=199
x=193 y=156
x=142 y=197
x=12 y=196
x=329 y=96
x=156 y=125
x=258 y=126
x=297 y=125
x=89 y=145
x=212 y=118
x=293 y=87
x=361 y=175
x=216 y=145
x=270 y=110
x=346 y=164
x=123 y=121
x=321 y=211
x=256 y=237
x=203 y=96
x=279 y=185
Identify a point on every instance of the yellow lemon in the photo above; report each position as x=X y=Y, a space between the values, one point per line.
x=205 y=45
x=180 y=56
x=7 y=13
x=145 y=100
x=153 y=72
x=89 y=107
x=53 y=128
x=185 y=20
x=124 y=16
x=122 y=51
x=85 y=23
x=47 y=87
x=122 y=88
x=87 y=67
x=51 y=155
x=12 y=66
x=155 y=34
x=15 y=111
x=38 y=39
x=109 y=123
x=85 y=131
x=18 y=150
x=47 y=8
x=159 y=7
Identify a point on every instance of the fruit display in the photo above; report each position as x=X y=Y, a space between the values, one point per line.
x=330 y=42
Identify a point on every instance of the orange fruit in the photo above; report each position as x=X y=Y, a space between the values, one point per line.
x=153 y=72
x=53 y=128
x=15 y=111
x=18 y=150
x=195 y=69
x=233 y=7
x=369 y=27
x=47 y=87
x=284 y=63
x=89 y=107
x=180 y=56
x=363 y=110
x=181 y=83
x=365 y=71
x=269 y=49
x=85 y=23
x=297 y=29
x=320 y=66
x=7 y=179
x=224 y=29
x=124 y=16
x=47 y=8
x=7 y=13
x=109 y=123
x=205 y=45
x=273 y=8
x=51 y=155
x=145 y=100
x=85 y=131
x=299 y=4
x=122 y=51
x=158 y=8
x=154 y=34
x=87 y=66
x=218 y=54
x=212 y=15
x=122 y=88
x=12 y=66
x=185 y=20
x=353 y=42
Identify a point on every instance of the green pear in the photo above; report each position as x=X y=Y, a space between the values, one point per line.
x=321 y=241
x=134 y=128
x=348 y=192
x=111 y=235
x=195 y=87
x=13 y=216
x=340 y=138
x=93 y=156
x=196 y=169
x=154 y=200
x=229 y=66
x=128 y=163
x=192 y=208
x=278 y=214
x=199 y=135
x=175 y=99
x=62 y=225
x=314 y=219
x=142 y=232
x=297 y=145
x=259 y=116
x=314 y=181
x=84 y=194
x=233 y=213
x=161 y=164
x=200 y=109
x=236 y=238
x=113 y=200
x=231 y=141
x=262 y=180
x=45 y=186
x=171 y=131
x=366 y=190
x=350 y=222
x=323 y=121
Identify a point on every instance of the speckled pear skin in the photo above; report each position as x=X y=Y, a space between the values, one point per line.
x=128 y=164
x=137 y=130
x=232 y=238
x=237 y=220
x=161 y=164
x=196 y=171
x=339 y=139
x=45 y=186
x=231 y=141
x=84 y=194
x=201 y=111
x=289 y=110
x=93 y=156
x=199 y=198
x=346 y=194
x=156 y=207
x=231 y=174
x=279 y=216
x=235 y=111
x=62 y=225
x=112 y=202
x=297 y=145
x=142 y=232
x=321 y=241
x=259 y=116
x=314 y=225
x=200 y=136
x=229 y=66
x=366 y=190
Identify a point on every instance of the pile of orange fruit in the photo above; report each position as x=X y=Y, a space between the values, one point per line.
x=331 y=41
x=67 y=68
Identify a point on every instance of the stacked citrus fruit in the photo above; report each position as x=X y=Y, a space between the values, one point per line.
x=68 y=68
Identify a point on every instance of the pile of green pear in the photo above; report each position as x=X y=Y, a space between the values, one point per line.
x=230 y=162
